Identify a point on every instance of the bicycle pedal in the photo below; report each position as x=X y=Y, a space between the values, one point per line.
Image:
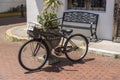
x=58 y=53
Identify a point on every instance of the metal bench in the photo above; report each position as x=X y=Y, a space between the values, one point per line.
x=91 y=19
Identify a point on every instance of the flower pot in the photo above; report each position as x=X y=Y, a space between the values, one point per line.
x=53 y=38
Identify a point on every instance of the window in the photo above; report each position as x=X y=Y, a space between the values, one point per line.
x=76 y=4
x=99 y=5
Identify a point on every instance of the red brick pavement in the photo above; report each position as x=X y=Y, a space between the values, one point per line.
x=93 y=67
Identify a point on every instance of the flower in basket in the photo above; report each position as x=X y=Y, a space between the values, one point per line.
x=47 y=20
x=48 y=17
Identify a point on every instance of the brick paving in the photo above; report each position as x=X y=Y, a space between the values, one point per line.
x=93 y=67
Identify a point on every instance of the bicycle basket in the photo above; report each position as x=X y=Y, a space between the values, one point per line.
x=33 y=31
x=52 y=36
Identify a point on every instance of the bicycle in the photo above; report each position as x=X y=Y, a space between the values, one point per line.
x=36 y=50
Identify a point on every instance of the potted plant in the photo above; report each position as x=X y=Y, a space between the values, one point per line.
x=48 y=14
x=46 y=19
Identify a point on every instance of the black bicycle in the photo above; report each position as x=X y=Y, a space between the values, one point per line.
x=34 y=53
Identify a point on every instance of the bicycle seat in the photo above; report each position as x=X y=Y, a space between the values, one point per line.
x=66 y=31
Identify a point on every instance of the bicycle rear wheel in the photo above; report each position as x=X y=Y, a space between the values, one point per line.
x=33 y=54
x=76 y=47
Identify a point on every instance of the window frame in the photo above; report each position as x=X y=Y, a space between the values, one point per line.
x=87 y=5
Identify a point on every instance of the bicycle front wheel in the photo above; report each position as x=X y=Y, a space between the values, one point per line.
x=33 y=54
x=76 y=47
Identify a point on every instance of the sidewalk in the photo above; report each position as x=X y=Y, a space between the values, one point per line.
x=93 y=67
x=104 y=47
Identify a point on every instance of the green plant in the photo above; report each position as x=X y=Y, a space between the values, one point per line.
x=48 y=14
x=46 y=22
x=52 y=5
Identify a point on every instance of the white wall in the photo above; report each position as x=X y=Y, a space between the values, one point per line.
x=105 y=23
x=5 y=5
x=106 y=20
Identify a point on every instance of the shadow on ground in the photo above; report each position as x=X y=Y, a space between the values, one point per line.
x=58 y=67
x=64 y=62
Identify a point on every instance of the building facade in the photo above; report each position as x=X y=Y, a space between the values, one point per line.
x=108 y=11
x=6 y=5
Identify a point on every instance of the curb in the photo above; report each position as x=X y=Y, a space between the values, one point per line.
x=106 y=53
x=3 y=15
x=13 y=37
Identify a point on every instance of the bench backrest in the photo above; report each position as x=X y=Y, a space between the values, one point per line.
x=80 y=17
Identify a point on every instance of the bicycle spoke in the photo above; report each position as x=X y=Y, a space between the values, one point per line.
x=76 y=47
x=32 y=56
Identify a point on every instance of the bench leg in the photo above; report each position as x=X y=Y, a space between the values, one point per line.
x=96 y=36
x=93 y=35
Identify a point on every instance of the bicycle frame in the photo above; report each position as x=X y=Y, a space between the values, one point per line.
x=64 y=38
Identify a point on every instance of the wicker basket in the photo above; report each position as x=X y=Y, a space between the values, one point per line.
x=52 y=36
x=35 y=33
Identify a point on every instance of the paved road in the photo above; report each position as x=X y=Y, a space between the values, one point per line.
x=11 y=20
x=93 y=67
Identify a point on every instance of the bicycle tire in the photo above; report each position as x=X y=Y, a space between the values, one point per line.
x=77 y=49
x=30 y=60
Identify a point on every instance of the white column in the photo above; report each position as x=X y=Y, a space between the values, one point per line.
x=33 y=9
